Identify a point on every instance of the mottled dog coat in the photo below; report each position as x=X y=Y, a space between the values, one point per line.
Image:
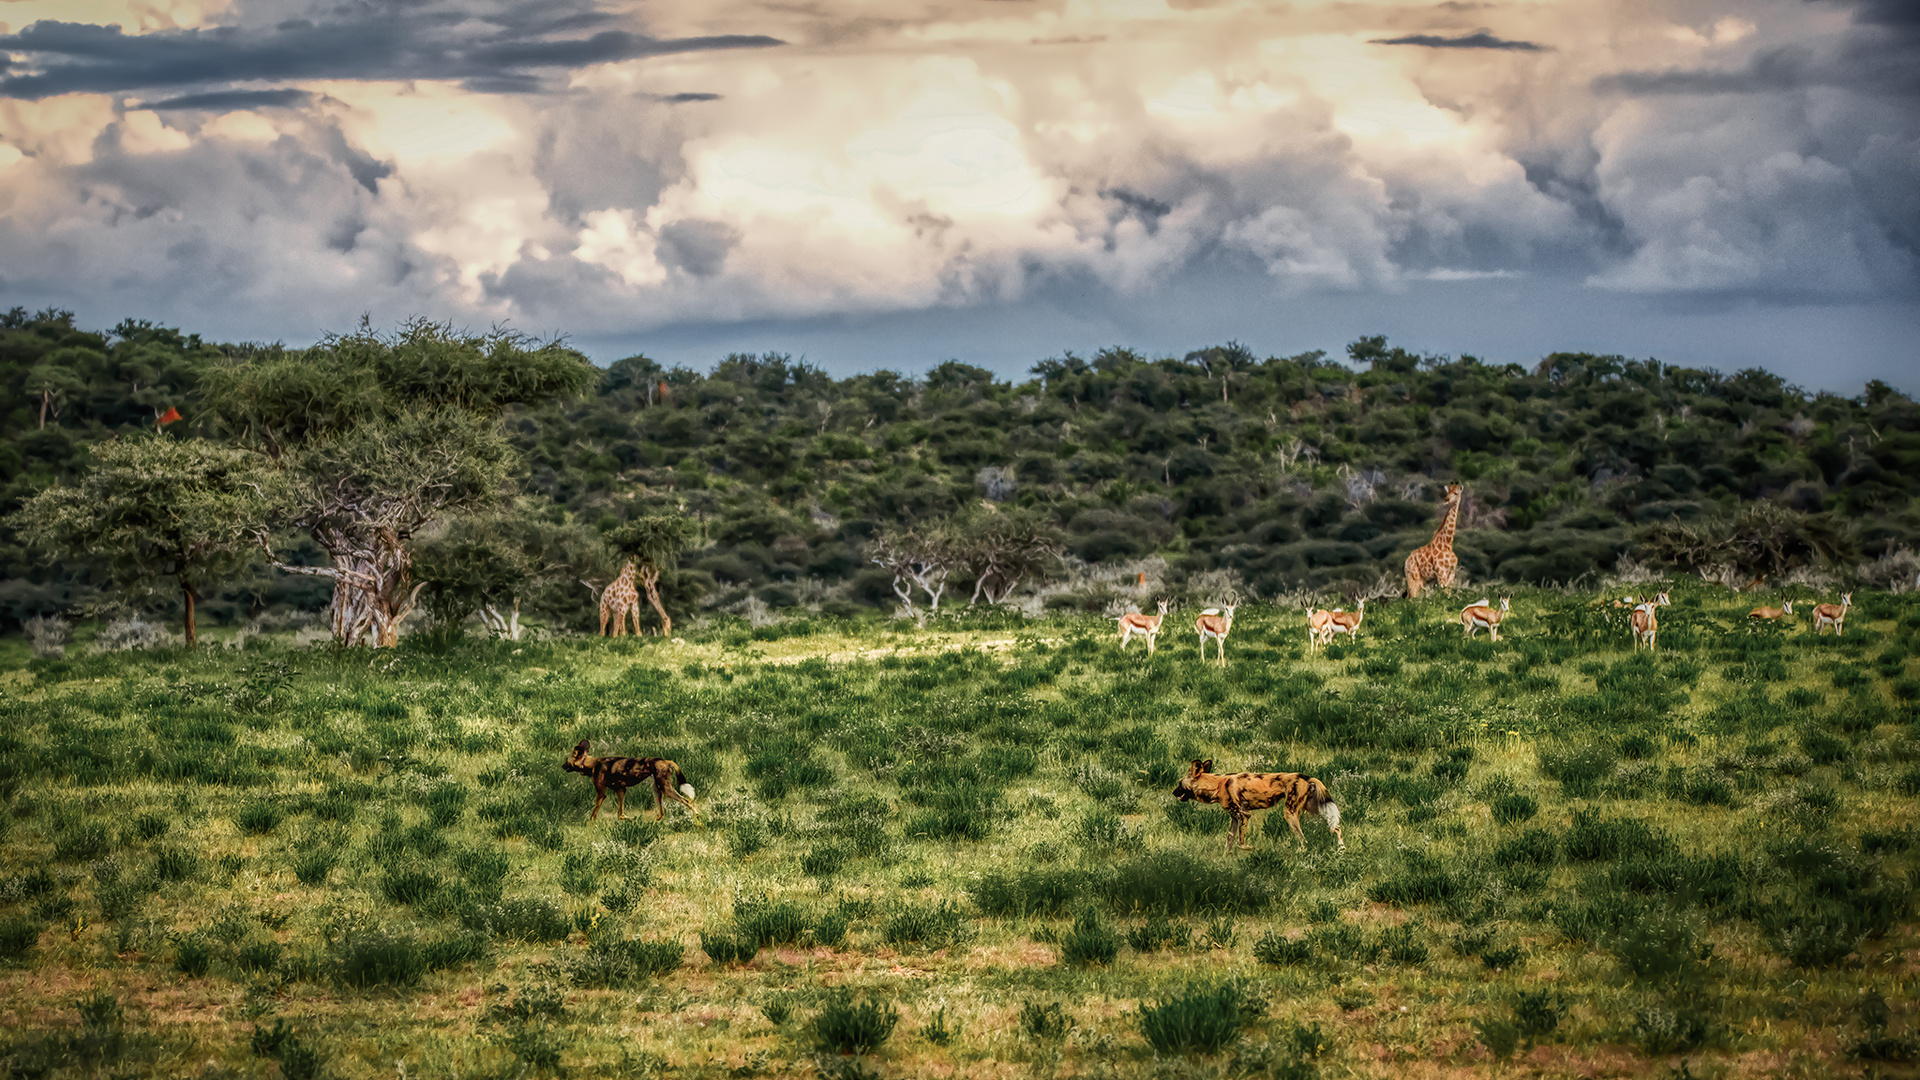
x=621 y=773
x=1243 y=793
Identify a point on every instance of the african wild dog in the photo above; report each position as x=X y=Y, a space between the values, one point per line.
x=1243 y=793
x=620 y=773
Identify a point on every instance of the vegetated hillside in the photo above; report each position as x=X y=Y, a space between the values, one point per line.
x=1285 y=472
x=1692 y=862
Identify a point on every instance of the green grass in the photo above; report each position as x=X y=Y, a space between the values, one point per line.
x=913 y=850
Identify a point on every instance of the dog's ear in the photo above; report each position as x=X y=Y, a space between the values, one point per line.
x=1203 y=765
x=582 y=748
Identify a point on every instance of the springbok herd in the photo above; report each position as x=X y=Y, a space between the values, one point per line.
x=1214 y=624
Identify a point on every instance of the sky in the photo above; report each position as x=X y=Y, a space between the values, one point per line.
x=896 y=183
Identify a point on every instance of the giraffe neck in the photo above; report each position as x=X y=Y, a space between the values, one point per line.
x=1443 y=539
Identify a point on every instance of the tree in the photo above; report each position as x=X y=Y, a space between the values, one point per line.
x=153 y=506
x=999 y=550
x=916 y=557
x=493 y=563
x=379 y=437
x=654 y=542
x=51 y=382
x=1760 y=540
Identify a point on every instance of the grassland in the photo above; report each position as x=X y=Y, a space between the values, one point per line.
x=952 y=851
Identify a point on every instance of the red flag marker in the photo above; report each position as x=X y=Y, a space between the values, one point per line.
x=167 y=417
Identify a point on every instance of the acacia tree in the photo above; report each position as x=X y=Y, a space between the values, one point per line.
x=916 y=556
x=1000 y=550
x=379 y=437
x=654 y=542
x=152 y=507
x=492 y=563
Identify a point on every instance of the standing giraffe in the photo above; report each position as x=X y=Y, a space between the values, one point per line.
x=1436 y=560
x=618 y=600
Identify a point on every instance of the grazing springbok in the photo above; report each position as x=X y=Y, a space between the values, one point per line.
x=1346 y=622
x=1477 y=617
x=1215 y=625
x=1147 y=626
x=1644 y=623
x=1834 y=615
x=1771 y=613
x=1318 y=626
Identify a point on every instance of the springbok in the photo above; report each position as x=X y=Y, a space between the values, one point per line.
x=1476 y=617
x=1770 y=613
x=1644 y=623
x=1215 y=627
x=1346 y=622
x=1318 y=626
x=1147 y=626
x=1834 y=615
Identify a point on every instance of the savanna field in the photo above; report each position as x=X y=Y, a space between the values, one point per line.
x=953 y=850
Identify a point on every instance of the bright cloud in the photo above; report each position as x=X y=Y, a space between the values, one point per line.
x=608 y=168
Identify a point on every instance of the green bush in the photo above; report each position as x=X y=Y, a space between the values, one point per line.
x=258 y=957
x=1513 y=807
x=765 y=921
x=518 y=920
x=1090 y=941
x=726 y=949
x=1158 y=932
x=823 y=860
x=379 y=958
x=931 y=926
x=1028 y=892
x=257 y=817
x=192 y=956
x=81 y=842
x=1046 y=1023
x=312 y=867
x=174 y=864
x=1202 y=1019
x=18 y=936
x=1593 y=838
x=846 y=1026
x=409 y=886
x=1275 y=948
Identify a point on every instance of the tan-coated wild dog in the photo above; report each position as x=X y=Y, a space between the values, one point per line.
x=1215 y=627
x=1476 y=617
x=1833 y=615
x=621 y=773
x=1243 y=793
x=1147 y=626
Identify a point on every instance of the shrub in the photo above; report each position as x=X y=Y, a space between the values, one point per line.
x=1513 y=807
x=764 y=921
x=18 y=936
x=934 y=926
x=1201 y=1019
x=1344 y=941
x=1090 y=941
x=257 y=817
x=381 y=959
x=1579 y=770
x=151 y=826
x=174 y=864
x=1178 y=882
x=258 y=957
x=578 y=874
x=846 y=1026
x=1423 y=882
x=1662 y=1030
x=312 y=867
x=1274 y=948
x=409 y=886
x=192 y=956
x=823 y=860
x=726 y=949
x=1033 y=891
x=81 y=842
x=1402 y=946
x=1044 y=1022
x=1594 y=838
x=610 y=962
x=518 y=920
x=1158 y=932
x=1538 y=1013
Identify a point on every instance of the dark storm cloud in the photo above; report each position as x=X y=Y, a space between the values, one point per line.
x=228 y=100
x=1479 y=40
x=1879 y=57
x=498 y=52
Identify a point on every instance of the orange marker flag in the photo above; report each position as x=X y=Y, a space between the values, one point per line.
x=167 y=417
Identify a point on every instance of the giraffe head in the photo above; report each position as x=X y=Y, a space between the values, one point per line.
x=1453 y=493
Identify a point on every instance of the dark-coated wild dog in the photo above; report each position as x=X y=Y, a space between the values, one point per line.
x=1243 y=793
x=620 y=773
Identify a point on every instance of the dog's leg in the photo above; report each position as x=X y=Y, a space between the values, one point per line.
x=620 y=800
x=599 y=796
x=1293 y=822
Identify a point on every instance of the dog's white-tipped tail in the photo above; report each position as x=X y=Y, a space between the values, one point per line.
x=687 y=790
x=1331 y=814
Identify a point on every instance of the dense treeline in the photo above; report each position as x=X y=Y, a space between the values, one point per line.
x=1286 y=472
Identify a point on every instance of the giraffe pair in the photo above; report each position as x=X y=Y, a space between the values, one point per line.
x=622 y=598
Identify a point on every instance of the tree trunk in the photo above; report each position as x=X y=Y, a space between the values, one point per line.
x=373 y=587
x=46 y=398
x=186 y=589
x=650 y=580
